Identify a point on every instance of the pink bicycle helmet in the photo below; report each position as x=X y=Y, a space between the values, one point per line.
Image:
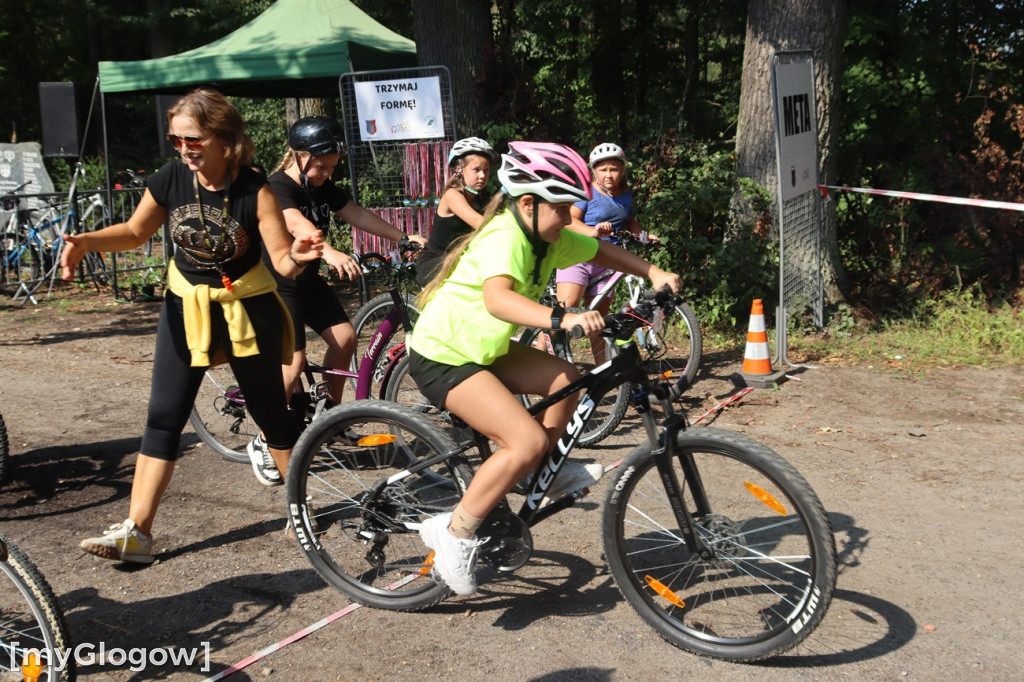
x=552 y=172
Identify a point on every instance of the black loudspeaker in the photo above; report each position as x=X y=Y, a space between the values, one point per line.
x=64 y=108
x=163 y=103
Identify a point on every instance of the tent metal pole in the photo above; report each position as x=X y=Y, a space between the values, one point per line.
x=110 y=189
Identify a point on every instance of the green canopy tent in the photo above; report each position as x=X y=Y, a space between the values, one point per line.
x=296 y=48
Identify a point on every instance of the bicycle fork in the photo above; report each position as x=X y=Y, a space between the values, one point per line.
x=664 y=455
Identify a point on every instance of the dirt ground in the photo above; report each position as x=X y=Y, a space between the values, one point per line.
x=922 y=477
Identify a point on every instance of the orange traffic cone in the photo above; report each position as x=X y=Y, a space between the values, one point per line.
x=757 y=366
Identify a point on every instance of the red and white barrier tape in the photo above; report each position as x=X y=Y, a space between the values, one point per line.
x=246 y=662
x=965 y=201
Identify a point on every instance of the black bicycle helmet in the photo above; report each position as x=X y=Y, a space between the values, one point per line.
x=318 y=135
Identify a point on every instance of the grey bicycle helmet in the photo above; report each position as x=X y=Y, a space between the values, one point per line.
x=607 y=150
x=318 y=135
x=471 y=145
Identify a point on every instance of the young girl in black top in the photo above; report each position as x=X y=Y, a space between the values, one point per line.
x=462 y=203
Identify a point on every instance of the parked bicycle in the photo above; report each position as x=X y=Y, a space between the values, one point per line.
x=714 y=539
x=32 y=626
x=30 y=249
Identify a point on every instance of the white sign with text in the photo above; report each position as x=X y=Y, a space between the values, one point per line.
x=797 y=128
x=403 y=109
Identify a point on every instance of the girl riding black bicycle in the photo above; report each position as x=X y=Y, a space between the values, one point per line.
x=461 y=355
x=308 y=196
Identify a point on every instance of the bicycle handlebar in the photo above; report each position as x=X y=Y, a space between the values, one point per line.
x=622 y=324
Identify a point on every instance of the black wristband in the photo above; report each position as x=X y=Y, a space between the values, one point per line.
x=292 y=256
x=557 y=313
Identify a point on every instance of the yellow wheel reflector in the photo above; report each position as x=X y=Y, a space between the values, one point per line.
x=378 y=439
x=660 y=588
x=766 y=498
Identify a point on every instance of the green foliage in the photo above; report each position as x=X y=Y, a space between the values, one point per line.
x=61 y=170
x=265 y=125
x=957 y=328
x=682 y=192
x=932 y=103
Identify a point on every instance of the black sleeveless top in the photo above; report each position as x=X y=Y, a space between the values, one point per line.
x=443 y=232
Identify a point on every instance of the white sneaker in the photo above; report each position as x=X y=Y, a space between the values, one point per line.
x=572 y=477
x=454 y=558
x=262 y=462
x=121 y=541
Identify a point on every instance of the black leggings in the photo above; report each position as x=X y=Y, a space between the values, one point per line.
x=176 y=382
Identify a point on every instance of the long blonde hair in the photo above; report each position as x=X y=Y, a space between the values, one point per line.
x=495 y=206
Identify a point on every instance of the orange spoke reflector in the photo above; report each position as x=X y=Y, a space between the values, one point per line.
x=31 y=669
x=427 y=563
x=666 y=375
x=767 y=499
x=378 y=439
x=660 y=588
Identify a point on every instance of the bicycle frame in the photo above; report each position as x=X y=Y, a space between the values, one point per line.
x=620 y=369
x=377 y=346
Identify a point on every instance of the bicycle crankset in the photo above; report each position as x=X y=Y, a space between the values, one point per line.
x=509 y=542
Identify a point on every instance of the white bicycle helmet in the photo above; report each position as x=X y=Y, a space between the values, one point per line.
x=471 y=145
x=607 y=150
x=553 y=172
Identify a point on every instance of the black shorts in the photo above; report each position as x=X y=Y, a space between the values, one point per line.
x=435 y=379
x=313 y=304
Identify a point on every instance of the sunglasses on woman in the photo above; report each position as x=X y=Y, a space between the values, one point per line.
x=191 y=143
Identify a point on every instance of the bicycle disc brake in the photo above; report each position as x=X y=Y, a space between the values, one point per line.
x=509 y=542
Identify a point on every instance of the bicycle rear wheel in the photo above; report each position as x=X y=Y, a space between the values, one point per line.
x=219 y=416
x=772 y=571
x=358 y=544
x=30 y=618
x=675 y=345
x=366 y=322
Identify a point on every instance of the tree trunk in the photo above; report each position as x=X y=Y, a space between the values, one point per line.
x=456 y=34
x=774 y=25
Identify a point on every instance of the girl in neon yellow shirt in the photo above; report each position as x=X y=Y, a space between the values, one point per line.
x=460 y=352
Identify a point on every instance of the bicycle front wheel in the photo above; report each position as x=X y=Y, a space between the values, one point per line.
x=358 y=541
x=30 y=619
x=771 y=571
x=674 y=345
x=219 y=416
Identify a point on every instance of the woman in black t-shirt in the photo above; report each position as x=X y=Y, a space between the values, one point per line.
x=222 y=303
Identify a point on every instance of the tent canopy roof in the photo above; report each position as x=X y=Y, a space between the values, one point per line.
x=295 y=48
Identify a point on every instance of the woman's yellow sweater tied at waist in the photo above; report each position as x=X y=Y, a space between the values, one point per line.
x=196 y=303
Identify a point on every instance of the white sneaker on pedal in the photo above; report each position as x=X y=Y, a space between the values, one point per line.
x=262 y=462
x=572 y=477
x=454 y=558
